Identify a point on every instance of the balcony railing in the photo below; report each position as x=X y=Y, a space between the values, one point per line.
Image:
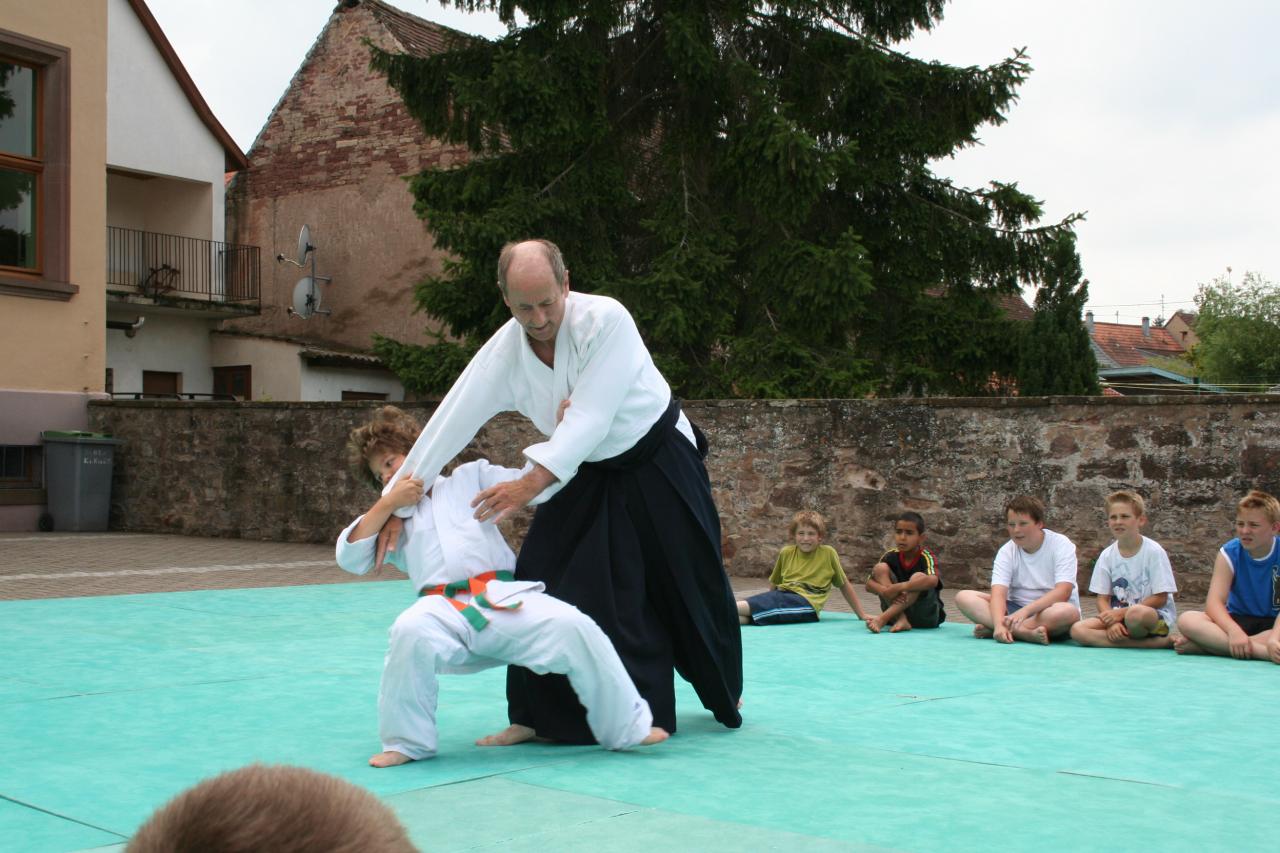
x=157 y=265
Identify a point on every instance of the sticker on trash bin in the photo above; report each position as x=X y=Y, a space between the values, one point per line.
x=97 y=456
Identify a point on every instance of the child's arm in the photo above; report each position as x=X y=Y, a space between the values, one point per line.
x=775 y=576
x=356 y=551
x=999 y=606
x=852 y=597
x=1215 y=607
x=1155 y=601
x=1107 y=615
x=1061 y=592
x=407 y=491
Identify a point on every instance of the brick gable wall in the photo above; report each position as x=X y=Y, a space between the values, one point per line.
x=334 y=155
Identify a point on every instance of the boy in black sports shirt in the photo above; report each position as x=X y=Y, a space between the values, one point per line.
x=906 y=580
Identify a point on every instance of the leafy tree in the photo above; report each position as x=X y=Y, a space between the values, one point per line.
x=1239 y=330
x=751 y=179
x=1057 y=357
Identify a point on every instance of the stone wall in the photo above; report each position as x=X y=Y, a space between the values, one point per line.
x=275 y=470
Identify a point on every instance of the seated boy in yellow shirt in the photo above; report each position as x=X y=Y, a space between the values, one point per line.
x=802 y=578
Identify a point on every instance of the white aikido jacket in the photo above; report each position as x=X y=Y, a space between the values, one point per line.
x=442 y=541
x=601 y=365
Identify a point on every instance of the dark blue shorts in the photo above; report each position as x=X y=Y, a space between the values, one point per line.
x=777 y=607
x=1252 y=625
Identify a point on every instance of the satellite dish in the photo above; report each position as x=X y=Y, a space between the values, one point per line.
x=304 y=244
x=306 y=299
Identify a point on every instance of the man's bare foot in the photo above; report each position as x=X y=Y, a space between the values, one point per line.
x=1184 y=645
x=1037 y=634
x=656 y=735
x=903 y=624
x=874 y=624
x=982 y=632
x=390 y=758
x=510 y=736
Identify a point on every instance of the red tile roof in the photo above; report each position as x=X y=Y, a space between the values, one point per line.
x=1128 y=347
x=1015 y=307
x=418 y=37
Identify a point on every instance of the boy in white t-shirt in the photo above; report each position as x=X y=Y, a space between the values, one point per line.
x=1134 y=583
x=1033 y=594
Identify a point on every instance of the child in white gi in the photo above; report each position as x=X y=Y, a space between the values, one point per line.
x=470 y=614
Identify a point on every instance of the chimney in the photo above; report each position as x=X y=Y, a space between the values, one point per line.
x=1088 y=321
x=1146 y=327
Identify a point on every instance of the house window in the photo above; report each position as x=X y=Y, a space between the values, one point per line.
x=362 y=395
x=234 y=381
x=20 y=467
x=158 y=383
x=34 y=172
x=20 y=166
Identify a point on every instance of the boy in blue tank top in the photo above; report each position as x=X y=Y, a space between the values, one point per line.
x=1240 y=615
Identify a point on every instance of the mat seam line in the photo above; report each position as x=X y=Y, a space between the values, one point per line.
x=68 y=818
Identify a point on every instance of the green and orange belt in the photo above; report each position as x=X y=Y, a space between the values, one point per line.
x=475 y=588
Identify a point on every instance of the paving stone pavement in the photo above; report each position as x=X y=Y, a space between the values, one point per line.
x=60 y=565
x=68 y=565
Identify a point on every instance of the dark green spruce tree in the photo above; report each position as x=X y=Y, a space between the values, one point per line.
x=1056 y=355
x=750 y=179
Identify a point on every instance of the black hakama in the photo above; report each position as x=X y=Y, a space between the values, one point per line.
x=634 y=542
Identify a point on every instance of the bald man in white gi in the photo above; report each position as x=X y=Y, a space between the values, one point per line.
x=631 y=536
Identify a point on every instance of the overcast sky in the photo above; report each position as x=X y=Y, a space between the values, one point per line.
x=1158 y=118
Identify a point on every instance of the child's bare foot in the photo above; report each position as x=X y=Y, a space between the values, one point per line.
x=390 y=758
x=656 y=735
x=1184 y=645
x=510 y=736
x=982 y=632
x=901 y=625
x=1036 y=635
x=874 y=624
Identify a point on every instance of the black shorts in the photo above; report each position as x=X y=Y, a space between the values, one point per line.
x=1254 y=624
x=927 y=612
x=780 y=607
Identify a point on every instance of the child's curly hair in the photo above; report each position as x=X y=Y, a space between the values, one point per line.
x=390 y=431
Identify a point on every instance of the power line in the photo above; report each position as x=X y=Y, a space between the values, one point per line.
x=1160 y=302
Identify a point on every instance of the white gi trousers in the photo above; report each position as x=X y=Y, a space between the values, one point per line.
x=544 y=634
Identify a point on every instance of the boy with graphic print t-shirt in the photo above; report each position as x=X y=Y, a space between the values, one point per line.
x=1133 y=580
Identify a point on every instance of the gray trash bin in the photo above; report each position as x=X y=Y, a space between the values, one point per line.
x=78 y=478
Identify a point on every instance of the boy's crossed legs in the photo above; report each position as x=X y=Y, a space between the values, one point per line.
x=1202 y=636
x=544 y=634
x=1133 y=627
x=1052 y=623
x=893 y=613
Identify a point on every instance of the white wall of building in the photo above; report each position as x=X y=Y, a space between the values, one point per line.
x=328 y=383
x=276 y=370
x=168 y=343
x=151 y=125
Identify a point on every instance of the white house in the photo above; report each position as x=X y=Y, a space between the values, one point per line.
x=170 y=276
